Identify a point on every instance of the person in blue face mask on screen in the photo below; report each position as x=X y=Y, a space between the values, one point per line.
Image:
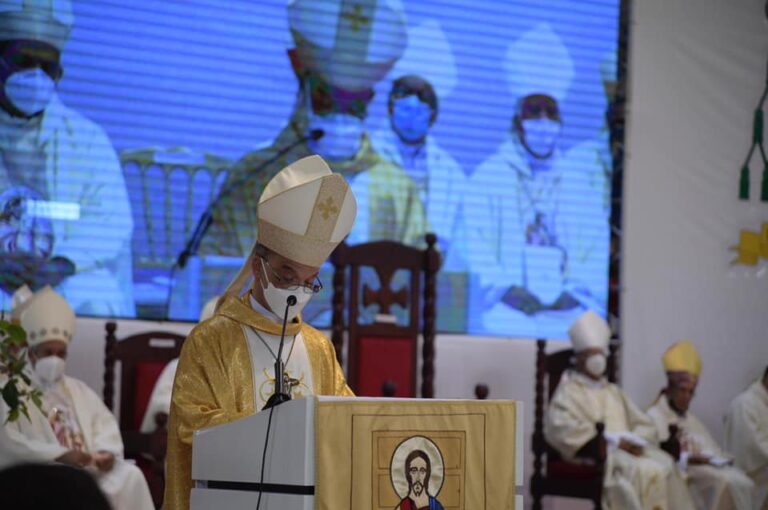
x=413 y=110
x=61 y=185
x=418 y=85
x=517 y=243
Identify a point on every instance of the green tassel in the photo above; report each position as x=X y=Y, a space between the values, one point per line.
x=764 y=188
x=744 y=183
x=757 y=127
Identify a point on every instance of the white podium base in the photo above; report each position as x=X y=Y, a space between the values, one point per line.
x=219 y=499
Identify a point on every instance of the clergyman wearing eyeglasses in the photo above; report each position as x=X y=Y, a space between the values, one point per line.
x=225 y=370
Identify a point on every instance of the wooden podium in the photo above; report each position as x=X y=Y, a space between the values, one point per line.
x=332 y=452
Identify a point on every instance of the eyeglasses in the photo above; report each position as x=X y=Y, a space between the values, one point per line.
x=293 y=284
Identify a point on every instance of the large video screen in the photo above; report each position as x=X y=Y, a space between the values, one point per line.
x=483 y=122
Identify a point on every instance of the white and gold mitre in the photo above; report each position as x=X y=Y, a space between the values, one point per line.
x=47 y=316
x=48 y=21
x=351 y=44
x=306 y=211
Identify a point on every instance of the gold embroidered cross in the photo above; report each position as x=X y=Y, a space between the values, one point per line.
x=328 y=208
x=356 y=17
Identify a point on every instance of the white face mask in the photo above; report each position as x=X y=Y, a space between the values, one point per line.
x=50 y=369
x=541 y=136
x=343 y=135
x=596 y=364
x=30 y=90
x=277 y=299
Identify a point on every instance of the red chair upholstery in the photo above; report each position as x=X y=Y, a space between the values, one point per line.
x=147 y=374
x=383 y=351
x=552 y=475
x=142 y=357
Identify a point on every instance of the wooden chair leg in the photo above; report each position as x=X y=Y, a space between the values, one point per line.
x=536 y=502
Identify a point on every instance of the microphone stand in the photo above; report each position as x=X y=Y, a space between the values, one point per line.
x=204 y=223
x=279 y=396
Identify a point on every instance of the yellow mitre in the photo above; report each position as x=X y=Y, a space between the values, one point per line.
x=682 y=357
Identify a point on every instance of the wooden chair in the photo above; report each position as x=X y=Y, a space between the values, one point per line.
x=169 y=188
x=383 y=351
x=552 y=475
x=142 y=357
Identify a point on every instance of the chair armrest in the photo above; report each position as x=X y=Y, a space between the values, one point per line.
x=596 y=449
x=672 y=444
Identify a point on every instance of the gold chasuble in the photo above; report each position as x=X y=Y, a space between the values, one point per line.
x=214 y=382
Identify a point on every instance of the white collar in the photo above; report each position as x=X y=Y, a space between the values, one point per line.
x=586 y=380
x=261 y=310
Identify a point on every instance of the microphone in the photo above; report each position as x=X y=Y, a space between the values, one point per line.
x=193 y=243
x=279 y=397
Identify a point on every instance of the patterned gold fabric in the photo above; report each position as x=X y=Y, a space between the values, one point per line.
x=214 y=383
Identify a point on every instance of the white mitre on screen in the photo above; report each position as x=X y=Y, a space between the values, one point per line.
x=305 y=211
x=49 y=21
x=588 y=331
x=424 y=42
x=350 y=44
x=539 y=63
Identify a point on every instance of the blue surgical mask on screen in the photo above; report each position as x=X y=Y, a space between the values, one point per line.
x=411 y=119
x=540 y=136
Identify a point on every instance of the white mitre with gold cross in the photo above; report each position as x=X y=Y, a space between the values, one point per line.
x=305 y=211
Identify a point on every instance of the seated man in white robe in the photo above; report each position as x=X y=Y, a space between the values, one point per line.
x=746 y=436
x=638 y=475
x=74 y=426
x=160 y=399
x=714 y=484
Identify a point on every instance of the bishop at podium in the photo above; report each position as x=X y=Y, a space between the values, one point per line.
x=225 y=370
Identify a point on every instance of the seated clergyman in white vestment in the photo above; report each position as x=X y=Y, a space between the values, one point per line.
x=160 y=399
x=746 y=436
x=638 y=475
x=74 y=426
x=227 y=363
x=713 y=482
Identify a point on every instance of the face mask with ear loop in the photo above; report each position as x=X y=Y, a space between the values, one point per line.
x=50 y=370
x=30 y=90
x=540 y=136
x=342 y=132
x=277 y=299
x=596 y=364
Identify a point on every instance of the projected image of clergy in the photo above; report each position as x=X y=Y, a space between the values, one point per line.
x=419 y=83
x=342 y=48
x=518 y=240
x=61 y=186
